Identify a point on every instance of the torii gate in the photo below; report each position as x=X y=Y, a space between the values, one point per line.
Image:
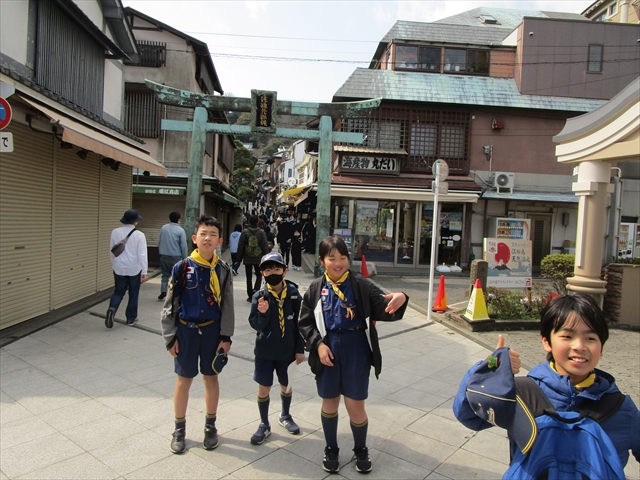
x=264 y=108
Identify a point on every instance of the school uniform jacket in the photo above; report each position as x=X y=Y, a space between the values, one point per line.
x=270 y=342
x=370 y=305
x=622 y=427
x=169 y=320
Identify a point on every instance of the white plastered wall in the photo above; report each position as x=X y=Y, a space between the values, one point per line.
x=14 y=17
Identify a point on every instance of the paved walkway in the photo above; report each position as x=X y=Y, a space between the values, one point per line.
x=79 y=401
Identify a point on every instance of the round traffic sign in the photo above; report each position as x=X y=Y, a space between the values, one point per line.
x=5 y=113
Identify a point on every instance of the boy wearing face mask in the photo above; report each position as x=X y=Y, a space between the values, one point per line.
x=274 y=315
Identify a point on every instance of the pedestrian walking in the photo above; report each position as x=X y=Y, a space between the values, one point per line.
x=251 y=247
x=234 y=239
x=172 y=247
x=129 y=262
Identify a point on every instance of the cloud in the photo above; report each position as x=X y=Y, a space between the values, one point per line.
x=257 y=8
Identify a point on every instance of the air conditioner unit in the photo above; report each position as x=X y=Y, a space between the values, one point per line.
x=503 y=181
x=291 y=181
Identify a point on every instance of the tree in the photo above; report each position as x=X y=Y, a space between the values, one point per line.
x=244 y=172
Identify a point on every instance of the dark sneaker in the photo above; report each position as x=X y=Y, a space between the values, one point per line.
x=363 y=462
x=108 y=321
x=177 y=443
x=331 y=461
x=131 y=323
x=162 y=295
x=288 y=423
x=261 y=434
x=210 y=437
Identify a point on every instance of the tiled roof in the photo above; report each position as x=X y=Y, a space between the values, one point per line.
x=442 y=33
x=451 y=89
x=506 y=17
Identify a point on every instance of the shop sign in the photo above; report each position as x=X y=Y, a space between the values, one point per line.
x=368 y=164
x=160 y=190
x=263 y=109
x=509 y=262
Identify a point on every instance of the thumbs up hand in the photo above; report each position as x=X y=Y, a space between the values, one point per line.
x=514 y=356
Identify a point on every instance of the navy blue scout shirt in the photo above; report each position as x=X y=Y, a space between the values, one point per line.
x=335 y=310
x=197 y=303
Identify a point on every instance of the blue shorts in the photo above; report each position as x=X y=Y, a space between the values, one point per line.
x=349 y=375
x=194 y=343
x=263 y=373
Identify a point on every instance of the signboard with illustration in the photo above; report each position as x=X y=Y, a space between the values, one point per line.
x=509 y=262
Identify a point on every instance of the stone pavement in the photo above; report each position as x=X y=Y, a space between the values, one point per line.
x=79 y=401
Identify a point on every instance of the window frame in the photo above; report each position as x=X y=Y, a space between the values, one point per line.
x=592 y=62
x=421 y=63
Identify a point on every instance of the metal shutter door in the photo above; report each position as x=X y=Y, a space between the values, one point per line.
x=26 y=191
x=155 y=210
x=75 y=227
x=115 y=199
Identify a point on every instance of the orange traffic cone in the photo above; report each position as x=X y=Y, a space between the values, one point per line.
x=440 y=305
x=363 y=268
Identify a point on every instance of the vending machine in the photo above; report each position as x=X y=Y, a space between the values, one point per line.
x=628 y=241
x=502 y=227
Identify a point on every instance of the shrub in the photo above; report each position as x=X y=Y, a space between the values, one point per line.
x=505 y=304
x=558 y=267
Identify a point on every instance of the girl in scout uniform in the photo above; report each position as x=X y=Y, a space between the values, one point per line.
x=337 y=322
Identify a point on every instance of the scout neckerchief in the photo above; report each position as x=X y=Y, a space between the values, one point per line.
x=280 y=298
x=214 y=283
x=586 y=383
x=334 y=285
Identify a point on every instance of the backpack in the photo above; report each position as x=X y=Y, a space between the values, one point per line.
x=253 y=246
x=569 y=445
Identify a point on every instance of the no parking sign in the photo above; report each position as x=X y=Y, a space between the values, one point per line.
x=5 y=113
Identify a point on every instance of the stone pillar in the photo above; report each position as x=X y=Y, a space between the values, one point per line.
x=593 y=188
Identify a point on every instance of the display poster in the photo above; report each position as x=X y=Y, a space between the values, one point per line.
x=344 y=218
x=455 y=222
x=509 y=262
x=390 y=222
x=367 y=218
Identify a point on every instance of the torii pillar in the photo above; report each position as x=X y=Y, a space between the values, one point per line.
x=594 y=141
x=264 y=108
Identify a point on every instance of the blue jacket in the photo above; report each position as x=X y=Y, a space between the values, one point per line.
x=270 y=344
x=622 y=427
x=234 y=238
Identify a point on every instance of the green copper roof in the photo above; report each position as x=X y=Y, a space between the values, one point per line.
x=451 y=89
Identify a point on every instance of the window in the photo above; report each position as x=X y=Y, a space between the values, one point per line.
x=152 y=54
x=455 y=60
x=613 y=8
x=478 y=61
x=406 y=57
x=452 y=141
x=424 y=140
x=430 y=59
x=595 y=59
x=142 y=112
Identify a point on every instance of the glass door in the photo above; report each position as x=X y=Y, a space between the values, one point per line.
x=405 y=252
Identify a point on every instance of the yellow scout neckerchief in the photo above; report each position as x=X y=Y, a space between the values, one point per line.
x=280 y=300
x=214 y=283
x=350 y=313
x=586 y=383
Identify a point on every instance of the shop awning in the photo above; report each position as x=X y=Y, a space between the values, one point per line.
x=84 y=137
x=293 y=191
x=405 y=194
x=533 y=196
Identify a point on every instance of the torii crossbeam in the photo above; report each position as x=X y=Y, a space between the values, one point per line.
x=265 y=109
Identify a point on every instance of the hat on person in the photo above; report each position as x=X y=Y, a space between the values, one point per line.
x=130 y=216
x=492 y=394
x=272 y=257
x=219 y=361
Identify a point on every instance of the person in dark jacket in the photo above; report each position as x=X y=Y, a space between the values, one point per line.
x=250 y=251
x=274 y=315
x=285 y=237
x=296 y=246
x=337 y=322
x=573 y=331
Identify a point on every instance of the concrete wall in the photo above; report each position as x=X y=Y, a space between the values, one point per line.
x=555 y=54
x=14 y=17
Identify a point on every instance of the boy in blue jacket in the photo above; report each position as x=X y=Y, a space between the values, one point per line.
x=274 y=315
x=573 y=331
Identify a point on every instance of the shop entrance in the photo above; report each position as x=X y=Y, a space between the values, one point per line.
x=450 y=245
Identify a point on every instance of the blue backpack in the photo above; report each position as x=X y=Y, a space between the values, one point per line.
x=569 y=445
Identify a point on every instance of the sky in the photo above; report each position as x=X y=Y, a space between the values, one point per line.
x=304 y=50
